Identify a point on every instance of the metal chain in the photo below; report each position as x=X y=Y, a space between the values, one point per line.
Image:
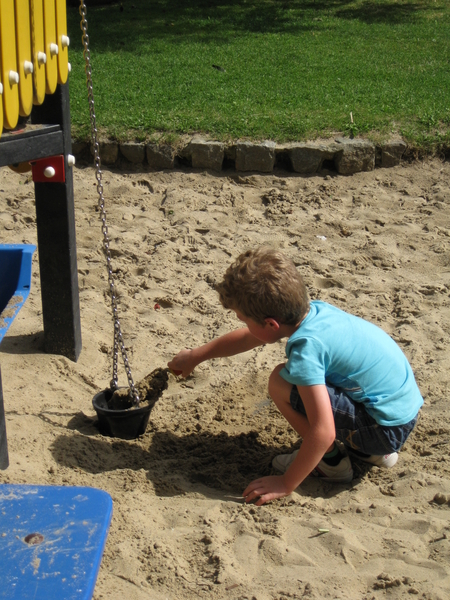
x=118 y=339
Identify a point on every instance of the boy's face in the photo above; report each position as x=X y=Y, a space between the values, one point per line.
x=267 y=333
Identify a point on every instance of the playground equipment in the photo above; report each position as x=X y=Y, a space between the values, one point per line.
x=33 y=76
x=34 y=69
x=52 y=541
x=33 y=84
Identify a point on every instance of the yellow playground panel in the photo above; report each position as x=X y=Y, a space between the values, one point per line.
x=33 y=55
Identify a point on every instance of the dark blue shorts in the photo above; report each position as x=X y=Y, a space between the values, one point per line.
x=356 y=428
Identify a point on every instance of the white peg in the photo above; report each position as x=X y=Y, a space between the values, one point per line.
x=70 y=160
x=69 y=66
x=13 y=77
x=1 y=88
x=49 y=172
x=65 y=41
x=42 y=58
x=53 y=49
x=27 y=67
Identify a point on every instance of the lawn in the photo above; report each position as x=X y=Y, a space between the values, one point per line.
x=265 y=69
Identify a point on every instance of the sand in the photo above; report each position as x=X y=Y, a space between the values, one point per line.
x=376 y=244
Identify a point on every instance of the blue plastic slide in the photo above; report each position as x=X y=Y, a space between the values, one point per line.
x=15 y=281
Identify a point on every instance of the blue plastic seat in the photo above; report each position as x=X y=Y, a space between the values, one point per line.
x=51 y=541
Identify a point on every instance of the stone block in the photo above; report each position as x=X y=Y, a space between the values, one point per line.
x=133 y=151
x=206 y=154
x=79 y=148
x=109 y=151
x=160 y=157
x=392 y=152
x=255 y=157
x=309 y=157
x=354 y=156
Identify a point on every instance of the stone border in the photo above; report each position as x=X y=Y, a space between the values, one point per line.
x=343 y=155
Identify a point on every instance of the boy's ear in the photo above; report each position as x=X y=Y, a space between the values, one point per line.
x=272 y=323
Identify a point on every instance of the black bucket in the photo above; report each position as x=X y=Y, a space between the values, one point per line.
x=126 y=424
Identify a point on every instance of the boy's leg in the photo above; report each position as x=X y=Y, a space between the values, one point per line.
x=280 y=392
x=369 y=443
x=334 y=466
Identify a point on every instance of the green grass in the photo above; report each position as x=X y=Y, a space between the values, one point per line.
x=292 y=69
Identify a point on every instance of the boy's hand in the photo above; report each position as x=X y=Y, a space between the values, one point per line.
x=183 y=363
x=266 y=489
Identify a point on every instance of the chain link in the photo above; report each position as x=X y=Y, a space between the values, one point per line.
x=118 y=338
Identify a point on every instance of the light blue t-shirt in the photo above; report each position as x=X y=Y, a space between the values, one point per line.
x=332 y=346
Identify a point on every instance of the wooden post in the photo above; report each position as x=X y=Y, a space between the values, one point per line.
x=4 y=460
x=55 y=219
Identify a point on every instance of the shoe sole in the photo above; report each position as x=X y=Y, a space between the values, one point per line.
x=388 y=465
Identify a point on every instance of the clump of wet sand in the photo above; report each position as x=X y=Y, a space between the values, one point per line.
x=149 y=390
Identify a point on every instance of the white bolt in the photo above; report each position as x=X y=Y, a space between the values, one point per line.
x=53 y=49
x=65 y=41
x=42 y=58
x=70 y=160
x=69 y=66
x=27 y=67
x=13 y=77
x=1 y=88
x=49 y=172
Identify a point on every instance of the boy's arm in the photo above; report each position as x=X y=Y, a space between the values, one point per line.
x=229 y=344
x=316 y=441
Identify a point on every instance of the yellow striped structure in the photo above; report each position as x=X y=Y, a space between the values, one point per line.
x=33 y=55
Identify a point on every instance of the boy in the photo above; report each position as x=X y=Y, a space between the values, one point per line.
x=344 y=379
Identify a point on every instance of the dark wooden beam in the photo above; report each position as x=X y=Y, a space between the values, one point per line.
x=30 y=143
x=55 y=219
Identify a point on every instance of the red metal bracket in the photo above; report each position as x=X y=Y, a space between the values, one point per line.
x=49 y=170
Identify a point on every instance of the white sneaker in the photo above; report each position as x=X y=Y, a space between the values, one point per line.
x=282 y=462
x=385 y=461
x=340 y=473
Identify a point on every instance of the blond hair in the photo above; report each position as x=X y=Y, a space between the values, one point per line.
x=264 y=283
